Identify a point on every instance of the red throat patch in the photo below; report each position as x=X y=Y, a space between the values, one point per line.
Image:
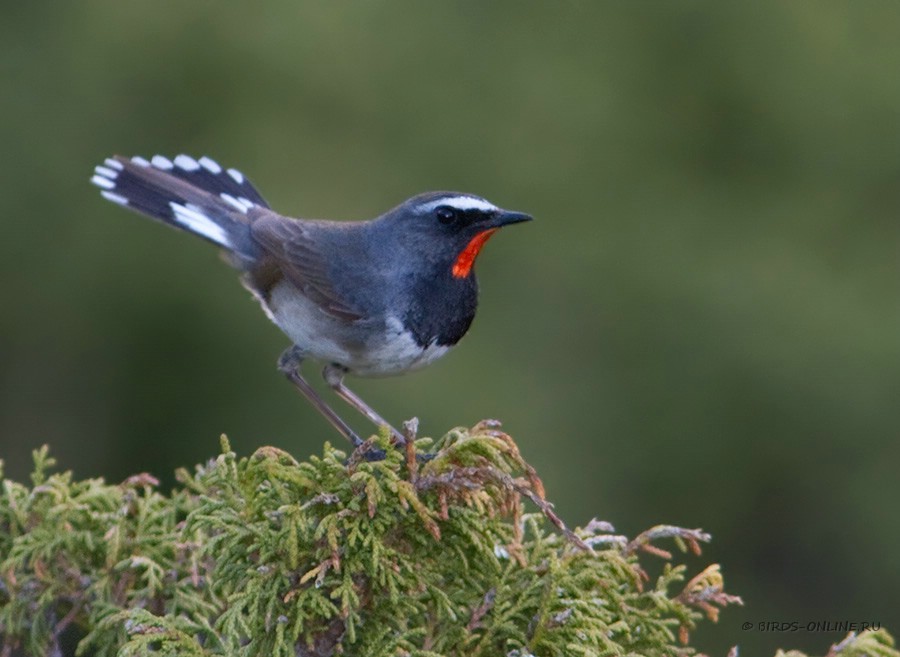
x=466 y=259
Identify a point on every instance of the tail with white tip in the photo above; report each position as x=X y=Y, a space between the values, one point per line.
x=197 y=196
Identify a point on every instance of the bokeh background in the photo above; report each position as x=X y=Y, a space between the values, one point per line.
x=702 y=327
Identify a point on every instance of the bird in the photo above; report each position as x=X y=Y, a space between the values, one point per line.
x=370 y=298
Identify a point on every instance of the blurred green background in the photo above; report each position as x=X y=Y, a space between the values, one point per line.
x=701 y=328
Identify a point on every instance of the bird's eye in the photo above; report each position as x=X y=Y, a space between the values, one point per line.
x=446 y=215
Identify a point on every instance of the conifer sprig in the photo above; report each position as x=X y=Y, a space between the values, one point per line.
x=340 y=555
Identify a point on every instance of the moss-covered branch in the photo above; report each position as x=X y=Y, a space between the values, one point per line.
x=269 y=556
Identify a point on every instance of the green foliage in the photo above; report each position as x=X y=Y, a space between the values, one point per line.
x=268 y=556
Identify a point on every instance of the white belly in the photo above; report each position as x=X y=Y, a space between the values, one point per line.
x=364 y=348
x=398 y=352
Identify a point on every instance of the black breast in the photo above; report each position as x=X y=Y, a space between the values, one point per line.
x=440 y=308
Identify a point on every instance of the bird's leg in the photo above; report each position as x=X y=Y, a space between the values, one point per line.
x=289 y=364
x=334 y=377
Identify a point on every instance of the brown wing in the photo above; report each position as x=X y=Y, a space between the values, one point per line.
x=292 y=250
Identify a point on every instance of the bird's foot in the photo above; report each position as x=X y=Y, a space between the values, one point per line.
x=290 y=359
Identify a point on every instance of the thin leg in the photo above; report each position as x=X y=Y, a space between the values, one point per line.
x=289 y=364
x=334 y=377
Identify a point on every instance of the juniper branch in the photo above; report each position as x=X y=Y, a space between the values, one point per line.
x=413 y=556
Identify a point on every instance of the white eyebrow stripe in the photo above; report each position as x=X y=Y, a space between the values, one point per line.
x=460 y=203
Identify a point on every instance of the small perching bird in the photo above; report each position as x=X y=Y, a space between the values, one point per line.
x=369 y=298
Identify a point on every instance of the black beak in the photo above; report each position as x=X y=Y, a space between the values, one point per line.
x=505 y=217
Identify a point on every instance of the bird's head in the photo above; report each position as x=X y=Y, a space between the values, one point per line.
x=450 y=228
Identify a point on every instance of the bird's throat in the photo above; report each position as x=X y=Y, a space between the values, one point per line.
x=462 y=267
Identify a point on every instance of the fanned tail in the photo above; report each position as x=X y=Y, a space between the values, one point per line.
x=198 y=196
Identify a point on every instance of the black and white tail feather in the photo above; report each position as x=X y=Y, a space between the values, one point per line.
x=198 y=196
